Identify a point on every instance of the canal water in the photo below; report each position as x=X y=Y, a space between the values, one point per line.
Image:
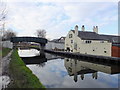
x=58 y=72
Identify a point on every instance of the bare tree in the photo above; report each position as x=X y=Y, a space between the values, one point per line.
x=3 y=10
x=3 y=13
x=41 y=33
x=8 y=34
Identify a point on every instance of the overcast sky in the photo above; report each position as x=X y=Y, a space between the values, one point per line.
x=57 y=17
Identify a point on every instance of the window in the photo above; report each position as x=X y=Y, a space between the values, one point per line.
x=70 y=35
x=69 y=69
x=75 y=46
x=88 y=42
x=105 y=51
x=68 y=49
x=71 y=41
x=67 y=60
x=101 y=41
x=85 y=52
x=71 y=65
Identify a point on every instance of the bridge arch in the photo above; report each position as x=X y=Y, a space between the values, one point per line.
x=41 y=41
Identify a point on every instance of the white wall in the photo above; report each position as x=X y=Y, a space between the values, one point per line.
x=52 y=45
x=68 y=41
x=95 y=48
x=96 y=45
x=7 y=44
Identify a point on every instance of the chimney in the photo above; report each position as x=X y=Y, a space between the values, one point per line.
x=76 y=30
x=83 y=28
x=95 y=29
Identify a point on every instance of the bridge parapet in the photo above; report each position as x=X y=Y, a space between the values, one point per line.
x=29 y=39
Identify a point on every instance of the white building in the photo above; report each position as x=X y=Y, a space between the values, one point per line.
x=56 y=44
x=87 y=42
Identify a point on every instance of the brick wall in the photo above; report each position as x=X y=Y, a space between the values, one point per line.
x=115 y=51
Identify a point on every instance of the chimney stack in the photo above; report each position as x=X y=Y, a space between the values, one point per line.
x=76 y=30
x=95 y=29
x=83 y=28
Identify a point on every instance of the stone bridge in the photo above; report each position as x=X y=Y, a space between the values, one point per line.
x=42 y=41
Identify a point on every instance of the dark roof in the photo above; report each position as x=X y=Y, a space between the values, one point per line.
x=63 y=37
x=89 y=35
x=117 y=45
x=86 y=35
x=111 y=38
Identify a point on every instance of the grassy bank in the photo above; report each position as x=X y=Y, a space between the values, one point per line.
x=5 y=51
x=22 y=75
x=0 y=53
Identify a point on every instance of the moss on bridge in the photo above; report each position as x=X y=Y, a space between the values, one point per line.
x=22 y=76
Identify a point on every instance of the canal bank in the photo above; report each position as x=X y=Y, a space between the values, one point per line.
x=4 y=67
x=21 y=76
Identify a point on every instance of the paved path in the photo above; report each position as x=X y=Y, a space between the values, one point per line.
x=4 y=70
x=5 y=63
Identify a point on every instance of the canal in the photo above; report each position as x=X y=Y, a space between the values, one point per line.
x=58 y=72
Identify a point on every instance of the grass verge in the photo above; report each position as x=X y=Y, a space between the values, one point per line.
x=5 y=51
x=22 y=76
x=0 y=54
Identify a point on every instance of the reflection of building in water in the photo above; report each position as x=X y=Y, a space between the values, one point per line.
x=77 y=67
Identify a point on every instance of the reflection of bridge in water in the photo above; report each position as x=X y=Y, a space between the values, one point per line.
x=39 y=59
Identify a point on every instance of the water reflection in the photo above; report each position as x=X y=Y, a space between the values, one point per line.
x=28 y=52
x=56 y=72
x=78 y=67
x=34 y=60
